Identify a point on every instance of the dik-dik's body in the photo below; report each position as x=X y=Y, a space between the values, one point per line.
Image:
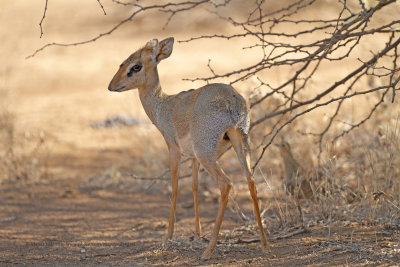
x=198 y=123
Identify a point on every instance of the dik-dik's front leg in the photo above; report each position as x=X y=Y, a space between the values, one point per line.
x=195 y=185
x=174 y=158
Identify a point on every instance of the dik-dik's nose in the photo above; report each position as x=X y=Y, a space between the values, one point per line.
x=110 y=86
x=115 y=88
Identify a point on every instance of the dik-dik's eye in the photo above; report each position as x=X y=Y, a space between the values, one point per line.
x=134 y=69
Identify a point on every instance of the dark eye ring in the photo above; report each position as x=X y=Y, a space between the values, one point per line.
x=135 y=68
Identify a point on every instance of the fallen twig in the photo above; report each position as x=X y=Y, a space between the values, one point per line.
x=257 y=239
x=162 y=177
x=300 y=231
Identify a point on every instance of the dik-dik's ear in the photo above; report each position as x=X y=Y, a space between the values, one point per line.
x=156 y=51
x=164 y=49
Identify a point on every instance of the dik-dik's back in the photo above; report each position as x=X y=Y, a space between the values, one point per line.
x=200 y=118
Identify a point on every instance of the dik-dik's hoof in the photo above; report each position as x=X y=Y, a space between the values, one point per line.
x=266 y=248
x=206 y=255
x=165 y=242
x=204 y=258
x=264 y=242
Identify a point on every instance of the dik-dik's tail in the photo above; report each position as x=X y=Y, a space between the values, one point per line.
x=240 y=114
x=241 y=144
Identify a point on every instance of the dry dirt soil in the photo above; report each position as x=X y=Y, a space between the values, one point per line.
x=73 y=215
x=61 y=223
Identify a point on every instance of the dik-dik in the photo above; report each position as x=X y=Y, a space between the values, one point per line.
x=200 y=124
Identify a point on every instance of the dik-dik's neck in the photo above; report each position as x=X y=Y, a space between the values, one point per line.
x=152 y=96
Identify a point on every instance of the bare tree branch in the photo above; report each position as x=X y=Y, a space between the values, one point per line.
x=331 y=88
x=315 y=107
x=102 y=7
x=169 y=7
x=41 y=21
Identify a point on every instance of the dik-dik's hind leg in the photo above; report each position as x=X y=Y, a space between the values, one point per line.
x=174 y=157
x=195 y=184
x=225 y=186
x=240 y=143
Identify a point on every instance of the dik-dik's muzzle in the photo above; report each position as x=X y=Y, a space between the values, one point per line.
x=115 y=87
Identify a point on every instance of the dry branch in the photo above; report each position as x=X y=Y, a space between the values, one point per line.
x=41 y=21
x=102 y=7
x=169 y=7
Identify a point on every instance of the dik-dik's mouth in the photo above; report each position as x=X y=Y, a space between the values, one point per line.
x=118 y=89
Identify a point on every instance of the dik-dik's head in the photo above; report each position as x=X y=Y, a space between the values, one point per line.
x=141 y=66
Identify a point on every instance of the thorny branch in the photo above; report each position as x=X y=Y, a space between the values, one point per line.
x=288 y=39
x=41 y=21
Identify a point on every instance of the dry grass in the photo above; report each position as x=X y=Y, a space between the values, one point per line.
x=19 y=150
x=360 y=184
x=375 y=172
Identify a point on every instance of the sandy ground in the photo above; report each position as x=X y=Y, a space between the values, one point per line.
x=63 y=223
x=73 y=215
